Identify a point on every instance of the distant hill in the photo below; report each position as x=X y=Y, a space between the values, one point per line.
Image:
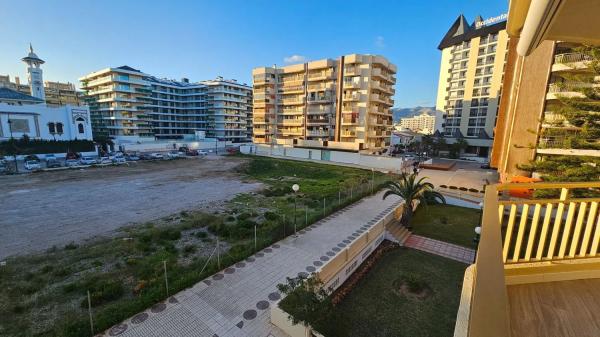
x=409 y=112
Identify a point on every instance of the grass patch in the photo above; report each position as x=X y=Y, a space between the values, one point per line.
x=376 y=308
x=447 y=223
x=125 y=274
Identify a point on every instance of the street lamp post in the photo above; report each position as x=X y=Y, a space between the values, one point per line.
x=295 y=188
x=372 y=180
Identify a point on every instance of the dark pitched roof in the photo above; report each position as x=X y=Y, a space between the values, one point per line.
x=461 y=31
x=6 y=93
x=128 y=68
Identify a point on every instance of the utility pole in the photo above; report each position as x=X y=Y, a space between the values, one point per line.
x=90 y=311
x=166 y=279
x=218 y=255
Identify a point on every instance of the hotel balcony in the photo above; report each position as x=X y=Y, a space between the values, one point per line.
x=381 y=74
x=320 y=86
x=320 y=100
x=292 y=101
x=382 y=99
x=351 y=70
x=353 y=96
x=291 y=112
x=351 y=84
x=348 y=133
x=290 y=132
x=537 y=269
x=321 y=75
x=291 y=122
x=349 y=121
x=567 y=90
x=571 y=62
x=293 y=89
x=318 y=133
x=317 y=121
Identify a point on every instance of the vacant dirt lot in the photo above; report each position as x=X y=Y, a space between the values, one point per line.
x=48 y=209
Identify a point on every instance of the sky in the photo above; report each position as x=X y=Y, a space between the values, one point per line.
x=201 y=40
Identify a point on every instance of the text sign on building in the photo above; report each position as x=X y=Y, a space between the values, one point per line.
x=490 y=21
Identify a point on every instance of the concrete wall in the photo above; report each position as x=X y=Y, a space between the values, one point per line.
x=208 y=145
x=350 y=158
x=337 y=270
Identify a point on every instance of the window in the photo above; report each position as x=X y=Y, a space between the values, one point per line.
x=80 y=128
x=59 y=128
x=51 y=128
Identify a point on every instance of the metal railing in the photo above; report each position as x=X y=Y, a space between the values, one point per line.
x=567 y=58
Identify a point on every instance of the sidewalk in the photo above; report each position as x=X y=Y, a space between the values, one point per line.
x=441 y=248
x=236 y=301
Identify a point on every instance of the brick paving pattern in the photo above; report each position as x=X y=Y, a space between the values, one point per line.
x=236 y=301
x=441 y=248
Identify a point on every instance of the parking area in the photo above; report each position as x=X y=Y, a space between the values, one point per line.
x=46 y=209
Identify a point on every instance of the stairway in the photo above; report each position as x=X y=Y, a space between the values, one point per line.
x=397 y=233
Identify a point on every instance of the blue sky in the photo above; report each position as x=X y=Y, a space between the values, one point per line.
x=204 y=39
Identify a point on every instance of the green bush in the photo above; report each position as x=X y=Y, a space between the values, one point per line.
x=71 y=246
x=414 y=283
x=271 y=216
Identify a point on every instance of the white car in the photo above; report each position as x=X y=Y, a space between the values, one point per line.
x=86 y=160
x=71 y=162
x=202 y=153
x=104 y=160
x=175 y=154
x=119 y=160
x=156 y=155
x=33 y=165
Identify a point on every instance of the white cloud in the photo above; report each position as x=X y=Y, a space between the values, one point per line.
x=294 y=59
x=380 y=42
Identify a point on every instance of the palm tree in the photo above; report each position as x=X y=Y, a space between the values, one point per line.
x=411 y=189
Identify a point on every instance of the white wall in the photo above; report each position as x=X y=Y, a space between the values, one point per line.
x=208 y=144
x=350 y=158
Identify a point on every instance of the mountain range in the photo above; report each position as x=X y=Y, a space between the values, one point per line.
x=398 y=113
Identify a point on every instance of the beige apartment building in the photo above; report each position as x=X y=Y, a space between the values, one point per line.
x=470 y=82
x=341 y=104
x=56 y=93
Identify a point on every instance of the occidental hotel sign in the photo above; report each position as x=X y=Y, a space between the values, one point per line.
x=490 y=21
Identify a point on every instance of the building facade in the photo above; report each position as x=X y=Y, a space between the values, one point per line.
x=339 y=104
x=530 y=126
x=130 y=105
x=470 y=82
x=423 y=123
x=25 y=115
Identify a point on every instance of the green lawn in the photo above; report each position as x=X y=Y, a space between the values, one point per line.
x=446 y=223
x=376 y=309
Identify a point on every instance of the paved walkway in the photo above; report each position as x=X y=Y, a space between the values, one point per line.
x=236 y=301
x=441 y=248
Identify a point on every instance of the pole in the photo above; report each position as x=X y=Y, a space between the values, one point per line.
x=295 y=214
x=166 y=279
x=284 y=225
x=339 y=197
x=372 y=180
x=323 y=206
x=218 y=255
x=350 y=192
x=255 y=238
x=305 y=216
x=90 y=311
x=216 y=146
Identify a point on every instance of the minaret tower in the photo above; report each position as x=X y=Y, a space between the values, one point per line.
x=34 y=74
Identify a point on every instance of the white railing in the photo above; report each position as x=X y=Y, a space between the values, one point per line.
x=567 y=58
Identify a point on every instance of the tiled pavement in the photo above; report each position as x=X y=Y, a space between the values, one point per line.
x=441 y=248
x=235 y=301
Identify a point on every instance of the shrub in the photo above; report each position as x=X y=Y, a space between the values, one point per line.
x=271 y=216
x=453 y=187
x=200 y=234
x=474 y=190
x=444 y=220
x=71 y=246
x=244 y=216
x=189 y=249
x=463 y=189
x=414 y=283
x=443 y=186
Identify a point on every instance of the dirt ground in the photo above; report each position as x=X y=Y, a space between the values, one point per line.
x=48 y=209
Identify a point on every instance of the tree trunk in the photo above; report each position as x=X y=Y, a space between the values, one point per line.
x=407 y=215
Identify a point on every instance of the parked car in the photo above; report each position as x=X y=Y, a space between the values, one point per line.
x=113 y=155
x=156 y=155
x=145 y=156
x=104 y=160
x=486 y=166
x=202 y=153
x=188 y=152
x=87 y=160
x=3 y=166
x=175 y=154
x=52 y=161
x=119 y=160
x=71 y=162
x=32 y=165
x=132 y=157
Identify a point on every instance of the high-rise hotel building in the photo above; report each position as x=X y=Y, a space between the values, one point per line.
x=127 y=104
x=341 y=104
x=470 y=83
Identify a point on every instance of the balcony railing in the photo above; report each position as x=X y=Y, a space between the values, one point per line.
x=567 y=58
x=526 y=240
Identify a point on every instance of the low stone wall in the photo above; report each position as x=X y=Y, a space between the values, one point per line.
x=338 y=269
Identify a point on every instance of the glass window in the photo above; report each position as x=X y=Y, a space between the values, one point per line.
x=51 y=128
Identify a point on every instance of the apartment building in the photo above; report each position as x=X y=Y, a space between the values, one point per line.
x=130 y=105
x=470 y=82
x=339 y=104
x=423 y=123
x=56 y=93
x=532 y=126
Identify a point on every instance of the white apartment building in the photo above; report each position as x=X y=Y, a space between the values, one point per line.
x=423 y=123
x=129 y=105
